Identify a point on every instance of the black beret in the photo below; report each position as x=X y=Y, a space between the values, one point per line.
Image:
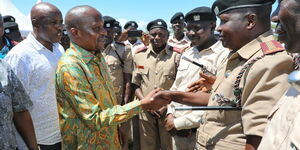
x=200 y=14
x=109 y=22
x=221 y=6
x=10 y=27
x=117 y=24
x=177 y=16
x=158 y=23
x=9 y=18
x=131 y=24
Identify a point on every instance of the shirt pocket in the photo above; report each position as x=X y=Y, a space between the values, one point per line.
x=169 y=73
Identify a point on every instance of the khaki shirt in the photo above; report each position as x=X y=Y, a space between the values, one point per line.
x=282 y=131
x=116 y=69
x=138 y=45
x=187 y=73
x=262 y=84
x=152 y=70
x=182 y=45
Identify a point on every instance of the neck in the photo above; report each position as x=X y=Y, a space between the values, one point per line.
x=179 y=35
x=207 y=44
x=159 y=49
x=48 y=45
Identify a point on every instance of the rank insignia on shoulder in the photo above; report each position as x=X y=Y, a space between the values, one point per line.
x=271 y=47
x=141 y=49
x=140 y=67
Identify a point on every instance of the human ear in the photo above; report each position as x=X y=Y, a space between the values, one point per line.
x=252 y=19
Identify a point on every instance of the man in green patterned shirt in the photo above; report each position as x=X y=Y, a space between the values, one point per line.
x=87 y=104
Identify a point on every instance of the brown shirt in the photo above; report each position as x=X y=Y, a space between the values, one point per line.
x=116 y=68
x=262 y=85
x=152 y=70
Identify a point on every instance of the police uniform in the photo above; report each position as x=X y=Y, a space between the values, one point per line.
x=138 y=45
x=179 y=45
x=154 y=70
x=252 y=78
x=119 y=61
x=282 y=131
x=186 y=122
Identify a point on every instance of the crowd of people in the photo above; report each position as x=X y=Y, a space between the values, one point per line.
x=84 y=82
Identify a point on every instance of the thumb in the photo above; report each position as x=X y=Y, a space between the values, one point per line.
x=203 y=75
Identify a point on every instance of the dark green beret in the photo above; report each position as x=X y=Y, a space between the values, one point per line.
x=158 y=23
x=200 y=14
x=131 y=24
x=222 y=6
x=177 y=16
x=109 y=22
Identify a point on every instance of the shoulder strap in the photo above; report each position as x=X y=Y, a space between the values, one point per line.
x=122 y=62
x=270 y=47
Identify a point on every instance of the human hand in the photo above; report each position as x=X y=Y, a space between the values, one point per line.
x=204 y=84
x=124 y=35
x=151 y=103
x=169 y=122
x=145 y=39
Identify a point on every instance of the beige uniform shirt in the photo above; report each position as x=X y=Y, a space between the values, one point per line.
x=152 y=70
x=187 y=73
x=180 y=46
x=261 y=86
x=138 y=45
x=282 y=131
x=116 y=69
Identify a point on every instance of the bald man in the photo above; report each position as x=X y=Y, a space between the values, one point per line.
x=34 y=61
x=88 y=110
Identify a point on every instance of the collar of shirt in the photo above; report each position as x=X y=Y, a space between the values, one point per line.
x=185 y=39
x=253 y=47
x=85 y=55
x=111 y=46
x=165 y=50
x=37 y=45
x=138 y=41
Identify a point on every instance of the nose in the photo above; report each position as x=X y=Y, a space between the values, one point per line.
x=219 y=28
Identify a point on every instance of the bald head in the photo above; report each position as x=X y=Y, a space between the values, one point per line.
x=85 y=27
x=78 y=17
x=43 y=10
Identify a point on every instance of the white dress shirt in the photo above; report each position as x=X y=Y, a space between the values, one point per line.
x=35 y=66
x=187 y=73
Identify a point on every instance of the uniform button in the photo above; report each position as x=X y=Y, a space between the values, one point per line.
x=156 y=72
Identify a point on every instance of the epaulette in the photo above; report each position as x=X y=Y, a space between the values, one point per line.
x=178 y=50
x=120 y=43
x=271 y=47
x=141 y=49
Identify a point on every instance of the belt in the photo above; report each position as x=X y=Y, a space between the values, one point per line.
x=183 y=132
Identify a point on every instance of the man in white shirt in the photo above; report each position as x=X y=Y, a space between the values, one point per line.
x=179 y=40
x=209 y=52
x=34 y=61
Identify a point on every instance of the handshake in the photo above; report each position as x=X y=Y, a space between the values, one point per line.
x=156 y=99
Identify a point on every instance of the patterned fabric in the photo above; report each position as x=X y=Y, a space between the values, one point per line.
x=13 y=98
x=86 y=102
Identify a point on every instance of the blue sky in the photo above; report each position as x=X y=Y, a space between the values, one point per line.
x=141 y=11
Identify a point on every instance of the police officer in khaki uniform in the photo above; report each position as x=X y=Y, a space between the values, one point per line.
x=179 y=39
x=253 y=78
x=282 y=131
x=155 y=67
x=119 y=61
x=209 y=52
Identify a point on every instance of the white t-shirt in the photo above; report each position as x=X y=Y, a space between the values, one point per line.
x=35 y=66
